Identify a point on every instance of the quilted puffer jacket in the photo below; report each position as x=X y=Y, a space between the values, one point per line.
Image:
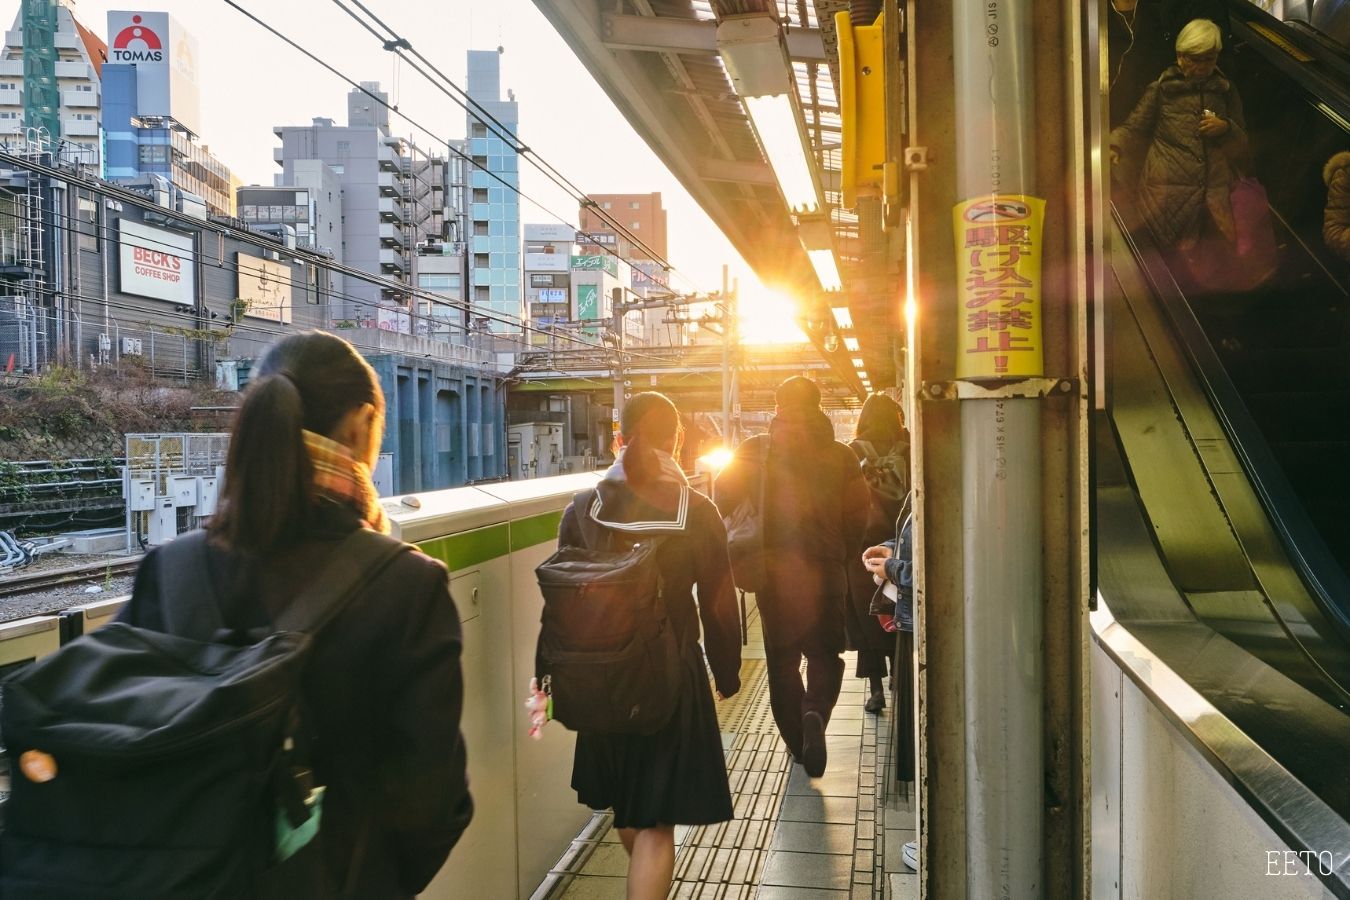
x=1336 y=220
x=1185 y=179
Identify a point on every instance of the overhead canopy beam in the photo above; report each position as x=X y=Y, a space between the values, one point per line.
x=757 y=173
x=667 y=34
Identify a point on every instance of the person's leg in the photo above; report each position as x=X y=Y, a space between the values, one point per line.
x=824 y=680
x=626 y=836
x=782 y=661
x=651 y=863
x=786 y=693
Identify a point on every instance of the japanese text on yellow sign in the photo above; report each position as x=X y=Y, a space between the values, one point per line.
x=998 y=261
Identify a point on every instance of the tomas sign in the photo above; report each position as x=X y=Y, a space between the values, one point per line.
x=165 y=57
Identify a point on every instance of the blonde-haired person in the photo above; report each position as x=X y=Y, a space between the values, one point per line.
x=1184 y=140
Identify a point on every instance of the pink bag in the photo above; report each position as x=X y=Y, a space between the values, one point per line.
x=1256 y=254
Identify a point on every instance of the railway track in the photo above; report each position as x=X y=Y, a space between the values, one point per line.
x=15 y=585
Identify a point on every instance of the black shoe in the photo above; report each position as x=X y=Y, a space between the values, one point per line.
x=813 y=744
x=875 y=703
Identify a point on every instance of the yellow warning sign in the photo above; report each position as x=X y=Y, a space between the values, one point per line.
x=998 y=261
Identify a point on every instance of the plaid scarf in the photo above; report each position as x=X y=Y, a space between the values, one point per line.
x=341 y=477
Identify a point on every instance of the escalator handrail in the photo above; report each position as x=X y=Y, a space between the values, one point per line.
x=1329 y=57
x=1318 y=568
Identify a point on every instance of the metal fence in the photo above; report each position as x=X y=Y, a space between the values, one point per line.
x=31 y=341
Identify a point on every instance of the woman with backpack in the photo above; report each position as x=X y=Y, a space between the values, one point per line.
x=381 y=691
x=676 y=776
x=881 y=444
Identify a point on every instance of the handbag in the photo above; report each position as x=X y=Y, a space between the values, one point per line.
x=1255 y=250
x=745 y=536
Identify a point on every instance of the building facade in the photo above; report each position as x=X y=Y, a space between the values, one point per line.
x=136 y=286
x=493 y=205
x=77 y=55
x=641 y=214
x=152 y=110
x=394 y=196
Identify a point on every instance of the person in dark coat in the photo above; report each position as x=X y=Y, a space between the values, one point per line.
x=815 y=508
x=1141 y=42
x=1336 y=217
x=1190 y=134
x=880 y=436
x=382 y=691
x=678 y=775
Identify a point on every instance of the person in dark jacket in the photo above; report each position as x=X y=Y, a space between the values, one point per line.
x=678 y=775
x=880 y=438
x=815 y=507
x=383 y=691
x=892 y=562
x=1189 y=131
x=1141 y=41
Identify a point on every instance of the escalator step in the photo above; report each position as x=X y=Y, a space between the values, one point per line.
x=1256 y=369
x=1299 y=417
x=1315 y=468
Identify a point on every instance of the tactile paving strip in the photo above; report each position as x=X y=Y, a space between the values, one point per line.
x=726 y=861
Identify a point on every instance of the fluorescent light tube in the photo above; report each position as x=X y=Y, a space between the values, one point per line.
x=827 y=270
x=851 y=344
x=781 y=136
x=858 y=362
x=842 y=317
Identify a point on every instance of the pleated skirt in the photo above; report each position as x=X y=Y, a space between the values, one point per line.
x=677 y=776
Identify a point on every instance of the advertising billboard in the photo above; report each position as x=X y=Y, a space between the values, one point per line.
x=546 y=262
x=596 y=263
x=588 y=301
x=553 y=233
x=264 y=288
x=165 y=57
x=156 y=263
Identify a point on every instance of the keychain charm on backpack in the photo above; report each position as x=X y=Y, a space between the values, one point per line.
x=539 y=703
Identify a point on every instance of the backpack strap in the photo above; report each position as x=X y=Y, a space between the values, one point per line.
x=353 y=564
x=184 y=574
x=190 y=602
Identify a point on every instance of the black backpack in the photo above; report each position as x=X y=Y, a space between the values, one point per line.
x=163 y=766
x=887 y=475
x=745 y=536
x=607 y=654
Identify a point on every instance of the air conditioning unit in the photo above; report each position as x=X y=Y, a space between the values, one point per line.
x=131 y=346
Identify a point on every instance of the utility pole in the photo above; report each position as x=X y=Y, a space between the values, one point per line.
x=726 y=357
x=733 y=329
x=617 y=310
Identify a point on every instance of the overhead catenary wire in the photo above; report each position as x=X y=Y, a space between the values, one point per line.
x=195 y=224
x=405 y=117
x=231 y=326
x=397 y=44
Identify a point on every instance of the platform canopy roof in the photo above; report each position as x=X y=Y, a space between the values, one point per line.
x=671 y=73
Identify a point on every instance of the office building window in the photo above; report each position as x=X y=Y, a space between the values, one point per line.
x=344 y=148
x=480 y=228
x=477 y=130
x=633 y=204
x=481 y=295
x=480 y=195
x=480 y=260
x=635 y=226
x=605 y=205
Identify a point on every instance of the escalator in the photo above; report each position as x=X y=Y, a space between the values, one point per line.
x=1206 y=552
x=1223 y=463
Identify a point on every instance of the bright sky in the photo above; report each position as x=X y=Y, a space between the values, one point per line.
x=250 y=81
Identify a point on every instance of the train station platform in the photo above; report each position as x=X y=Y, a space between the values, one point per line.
x=838 y=837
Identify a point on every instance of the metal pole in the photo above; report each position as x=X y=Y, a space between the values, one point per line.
x=734 y=338
x=726 y=357
x=1001 y=457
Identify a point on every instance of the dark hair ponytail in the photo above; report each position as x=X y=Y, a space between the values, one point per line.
x=649 y=420
x=308 y=381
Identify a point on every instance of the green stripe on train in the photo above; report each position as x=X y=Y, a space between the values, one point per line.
x=461 y=551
